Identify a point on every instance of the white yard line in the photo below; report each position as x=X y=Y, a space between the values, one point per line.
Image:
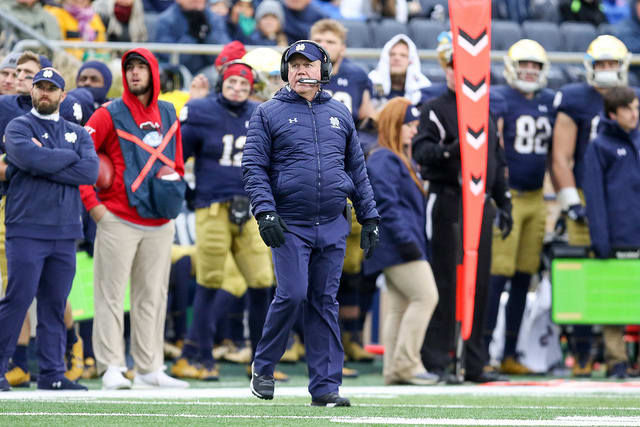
x=133 y=402
x=559 y=421
x=569 y=388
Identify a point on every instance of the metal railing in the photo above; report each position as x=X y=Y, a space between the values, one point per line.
x=175 y=49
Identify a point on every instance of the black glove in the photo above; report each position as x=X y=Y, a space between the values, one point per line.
x=409 y=251
x=272 y=229
x=239 y=210
x=505 y=221
x=577 y=212
x=561 y=225
x=452 y=151
x=369 y=237
x=190 y=198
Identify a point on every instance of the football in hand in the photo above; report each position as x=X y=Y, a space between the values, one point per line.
x=105 y=172
x=166 y=173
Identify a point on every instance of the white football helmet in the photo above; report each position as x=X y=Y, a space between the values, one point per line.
x=526 y=80
x=607 y=48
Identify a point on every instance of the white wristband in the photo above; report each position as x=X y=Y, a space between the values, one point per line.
x=568 y=196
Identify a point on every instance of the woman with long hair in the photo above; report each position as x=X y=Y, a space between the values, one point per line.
x=402 y=252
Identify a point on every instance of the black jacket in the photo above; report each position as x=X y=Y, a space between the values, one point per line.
x=436 y=149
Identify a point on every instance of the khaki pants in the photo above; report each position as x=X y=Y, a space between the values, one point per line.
x=123 y=252
x=614 y=348
x=412 y=297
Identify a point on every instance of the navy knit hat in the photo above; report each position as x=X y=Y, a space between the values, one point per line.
x=99 y=93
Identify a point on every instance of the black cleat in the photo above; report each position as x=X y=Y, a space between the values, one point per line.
x=61 y=383
x=262 y=385
x=4 y=384
x=330 y=400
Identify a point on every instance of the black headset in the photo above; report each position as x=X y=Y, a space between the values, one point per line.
x=325 y=64
x=219 y=81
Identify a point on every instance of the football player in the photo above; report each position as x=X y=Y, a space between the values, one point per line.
x=214 y=130
x=527 y=130
x=579 y=106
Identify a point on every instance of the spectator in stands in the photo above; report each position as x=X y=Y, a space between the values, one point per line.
x=8 y=74
x=156 y=6
x=612 y=191
x=124 y=20
x=270 y=23
x=398 y=72
x=402 y=254
x=629 y=30
x=78 y=22
x=582 y=11
x=240 y=22
x=300 y=15
x=219 y=7
x=400 y=10
x=191 y=22
x=97 y=78
x=616 y=10
x=32 y=14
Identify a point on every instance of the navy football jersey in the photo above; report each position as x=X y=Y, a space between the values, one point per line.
x=583 y=104
x=527 y=131
x=215 y=135
x=348 y=85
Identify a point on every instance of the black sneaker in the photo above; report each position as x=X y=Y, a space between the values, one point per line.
x=4 y=384
x=262 y=385
x=60 y=383
x=330 y=400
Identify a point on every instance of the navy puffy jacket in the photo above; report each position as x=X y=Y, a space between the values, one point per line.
x=612 y=188
x=402 y=206
x=302 y=159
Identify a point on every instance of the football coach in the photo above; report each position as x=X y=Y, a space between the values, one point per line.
x=301 y=162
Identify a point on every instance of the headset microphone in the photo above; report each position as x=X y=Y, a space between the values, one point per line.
x=312 y=81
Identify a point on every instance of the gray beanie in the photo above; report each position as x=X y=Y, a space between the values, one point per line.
x=10 y=61
x=270 y=7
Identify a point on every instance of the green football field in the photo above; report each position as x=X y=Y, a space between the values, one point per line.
x=532 y=401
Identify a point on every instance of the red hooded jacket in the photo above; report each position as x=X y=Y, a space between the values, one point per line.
x=100 y=127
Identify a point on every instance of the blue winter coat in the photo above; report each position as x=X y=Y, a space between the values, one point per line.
x=303 y=159
x=402 y=207
x=173 y=27
x=612 y=188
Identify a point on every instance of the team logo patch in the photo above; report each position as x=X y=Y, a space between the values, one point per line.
x=47 y=73
x=246 y=124
x=415 y=112
x=300 y=47
x=184 y=113
x=335 y=123
x=294 y=120
x=90 y=130
x=45 y=135
x=621 y=152
x=343 y=82
x=70 y=137
x=152 y=139
x=77 y=111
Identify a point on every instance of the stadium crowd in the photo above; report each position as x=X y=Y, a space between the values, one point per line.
x=175 y=211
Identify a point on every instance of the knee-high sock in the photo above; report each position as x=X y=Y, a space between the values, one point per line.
x=180 y=279
x=514 y=311
x=200 y=328
x=222 y=302
x=236 y=319
x=496 y=286
x=86 y=331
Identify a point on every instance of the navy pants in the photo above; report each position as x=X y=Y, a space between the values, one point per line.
x=307 y=268
x=43 y=269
